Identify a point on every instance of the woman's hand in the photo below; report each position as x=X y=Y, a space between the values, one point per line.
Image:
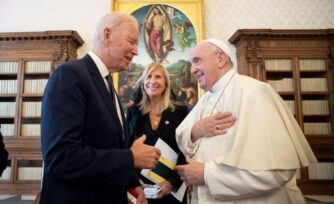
x=166 y=189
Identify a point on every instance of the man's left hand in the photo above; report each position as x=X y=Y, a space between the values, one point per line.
x=192 y=173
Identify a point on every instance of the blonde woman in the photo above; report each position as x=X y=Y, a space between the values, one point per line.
x=156 y=114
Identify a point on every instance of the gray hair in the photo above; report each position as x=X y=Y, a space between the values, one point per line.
x=113 y=21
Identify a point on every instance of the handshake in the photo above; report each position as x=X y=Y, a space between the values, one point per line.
x=144 y=156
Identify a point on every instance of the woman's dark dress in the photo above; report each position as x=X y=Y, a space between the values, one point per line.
x=140 y=124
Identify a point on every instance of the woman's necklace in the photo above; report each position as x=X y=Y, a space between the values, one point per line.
x=155 y=124
x=155 y=119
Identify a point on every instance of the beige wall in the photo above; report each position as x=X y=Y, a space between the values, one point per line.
x=41 y=15
x=222 y=17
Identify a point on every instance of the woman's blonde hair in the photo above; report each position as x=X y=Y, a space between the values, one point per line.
x=167 y=102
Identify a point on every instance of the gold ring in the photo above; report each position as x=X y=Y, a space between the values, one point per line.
x=219 y=127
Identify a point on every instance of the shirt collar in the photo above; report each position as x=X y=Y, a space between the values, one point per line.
x=222 y=82
x=100 y=65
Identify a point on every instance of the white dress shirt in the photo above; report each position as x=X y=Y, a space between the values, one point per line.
x=104 y=72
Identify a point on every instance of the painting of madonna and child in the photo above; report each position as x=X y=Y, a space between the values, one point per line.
x=166 y=37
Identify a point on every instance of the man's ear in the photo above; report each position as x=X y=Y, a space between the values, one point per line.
x=106 y=35
x=222 y=58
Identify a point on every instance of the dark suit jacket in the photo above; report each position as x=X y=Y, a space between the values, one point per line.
x=86 y=159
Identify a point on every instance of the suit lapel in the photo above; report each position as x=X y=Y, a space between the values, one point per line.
x=125 y=128
x=102 y=89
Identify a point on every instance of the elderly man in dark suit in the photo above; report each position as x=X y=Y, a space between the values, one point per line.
x=84 y=134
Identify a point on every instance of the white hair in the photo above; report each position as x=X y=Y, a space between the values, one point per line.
x=113 y=21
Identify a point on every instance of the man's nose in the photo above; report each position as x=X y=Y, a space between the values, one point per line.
x=193 y=69
x=135 y=50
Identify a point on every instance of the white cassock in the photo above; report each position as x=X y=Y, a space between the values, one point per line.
x=256 y=161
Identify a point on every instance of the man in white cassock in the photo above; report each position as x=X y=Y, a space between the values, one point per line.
x=255 y=160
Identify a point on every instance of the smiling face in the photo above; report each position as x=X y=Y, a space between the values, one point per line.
x=155 y=83
x=121 y=46
x=205 y=64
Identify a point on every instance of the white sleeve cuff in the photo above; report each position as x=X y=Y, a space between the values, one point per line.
x=192 y=147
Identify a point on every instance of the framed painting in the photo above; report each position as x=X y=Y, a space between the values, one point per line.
x=168 y=31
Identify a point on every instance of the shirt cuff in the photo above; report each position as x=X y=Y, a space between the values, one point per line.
x=192 y=147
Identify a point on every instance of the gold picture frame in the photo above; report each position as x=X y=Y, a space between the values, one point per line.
x=182 y=28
